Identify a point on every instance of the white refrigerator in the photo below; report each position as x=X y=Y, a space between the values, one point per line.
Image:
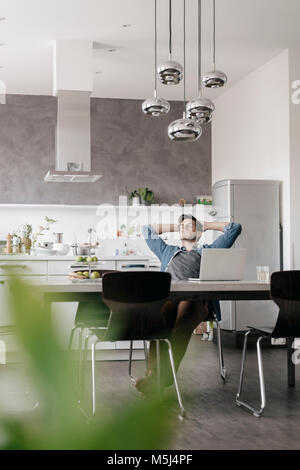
x=255 y=205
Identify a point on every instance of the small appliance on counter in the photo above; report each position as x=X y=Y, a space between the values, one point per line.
x=85 y=249
x=44 y=249
x=61 y=248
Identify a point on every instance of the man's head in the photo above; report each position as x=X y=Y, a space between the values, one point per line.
x=190 y=228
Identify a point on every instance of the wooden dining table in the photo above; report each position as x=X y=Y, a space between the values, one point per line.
x=69 y=291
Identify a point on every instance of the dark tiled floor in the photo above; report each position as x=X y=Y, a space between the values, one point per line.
x=213 y=420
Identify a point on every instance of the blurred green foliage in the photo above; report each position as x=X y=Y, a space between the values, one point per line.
x=59 y=424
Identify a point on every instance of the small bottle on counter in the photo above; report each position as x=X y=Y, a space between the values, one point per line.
x=9 y=247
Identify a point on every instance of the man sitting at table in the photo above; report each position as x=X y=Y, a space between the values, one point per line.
x=182 y=262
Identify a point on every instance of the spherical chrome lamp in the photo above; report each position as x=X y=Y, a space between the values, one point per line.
x=215 y=78
x=200 y=108
x=170 y=72
x=155 y=106
x=184 y=130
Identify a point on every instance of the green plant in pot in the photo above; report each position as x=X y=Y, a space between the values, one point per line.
x=147 y=196
x=134 y=197
x=26 y=233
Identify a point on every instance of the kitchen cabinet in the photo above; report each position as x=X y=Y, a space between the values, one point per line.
x=24 y=268
x=63 y=314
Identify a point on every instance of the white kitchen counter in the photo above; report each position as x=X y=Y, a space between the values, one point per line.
x=70 y=258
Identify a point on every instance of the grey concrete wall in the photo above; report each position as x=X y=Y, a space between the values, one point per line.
x=130 y=149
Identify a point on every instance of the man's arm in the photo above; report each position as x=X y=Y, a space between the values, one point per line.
x=219 y=226
x=164 y=228
x=227 y=239
x=154 y=242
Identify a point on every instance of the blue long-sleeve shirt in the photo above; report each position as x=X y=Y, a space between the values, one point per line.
x=166 y=253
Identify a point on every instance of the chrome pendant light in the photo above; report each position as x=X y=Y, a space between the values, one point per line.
x=155 y=106
x=170 y=72
x=200 y=108
x=216 y=78
x=185 y=129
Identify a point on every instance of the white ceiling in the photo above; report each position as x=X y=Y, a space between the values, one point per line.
x=249 y=33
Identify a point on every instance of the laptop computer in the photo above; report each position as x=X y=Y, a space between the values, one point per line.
x=222 y=264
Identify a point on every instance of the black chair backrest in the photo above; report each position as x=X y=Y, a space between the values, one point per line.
x=135 y=300
x=285 y=291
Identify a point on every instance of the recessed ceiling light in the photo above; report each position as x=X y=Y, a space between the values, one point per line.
x=111 y=50
x=128 y=25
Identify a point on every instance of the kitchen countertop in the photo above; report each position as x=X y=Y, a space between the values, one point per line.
x=70 y=258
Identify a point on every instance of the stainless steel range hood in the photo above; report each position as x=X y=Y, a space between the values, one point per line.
x=73 y=132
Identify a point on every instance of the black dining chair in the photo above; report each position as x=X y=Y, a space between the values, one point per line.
x=285 y=292
x=93 y=314
x=135 y=300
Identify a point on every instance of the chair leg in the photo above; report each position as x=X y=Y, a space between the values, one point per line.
x=80 y=356
x=83 y=362
x=182 y=410
x=146 y=354
x=93 y=380
x=72 y=337
x=158 y=364
x=220 y=351
x=132 y=379
x=256 y=412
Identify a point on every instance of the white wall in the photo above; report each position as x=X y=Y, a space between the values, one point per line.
x=295 y=155
x=251 y=133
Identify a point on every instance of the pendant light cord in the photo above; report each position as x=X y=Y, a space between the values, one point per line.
x=155 y=47
x=214 y=35
x=184 y=61
x=170 y=30
x=199 y=48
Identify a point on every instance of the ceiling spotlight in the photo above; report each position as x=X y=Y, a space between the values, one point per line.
x=216 y=78
x=185 y=129
x=170 y=72
x=155 y=106
x=200 y=108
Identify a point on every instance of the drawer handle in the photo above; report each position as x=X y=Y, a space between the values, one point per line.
x=8 y=266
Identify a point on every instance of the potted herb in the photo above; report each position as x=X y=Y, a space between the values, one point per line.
x=26 y=233
x=147 y=196
x=134 y=197
x=43 y=229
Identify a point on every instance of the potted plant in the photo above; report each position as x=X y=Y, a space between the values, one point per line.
x=26 y=233
x=134 y=197
x=147 y=196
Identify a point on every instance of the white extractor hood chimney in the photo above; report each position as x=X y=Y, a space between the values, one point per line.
x=73 y=84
